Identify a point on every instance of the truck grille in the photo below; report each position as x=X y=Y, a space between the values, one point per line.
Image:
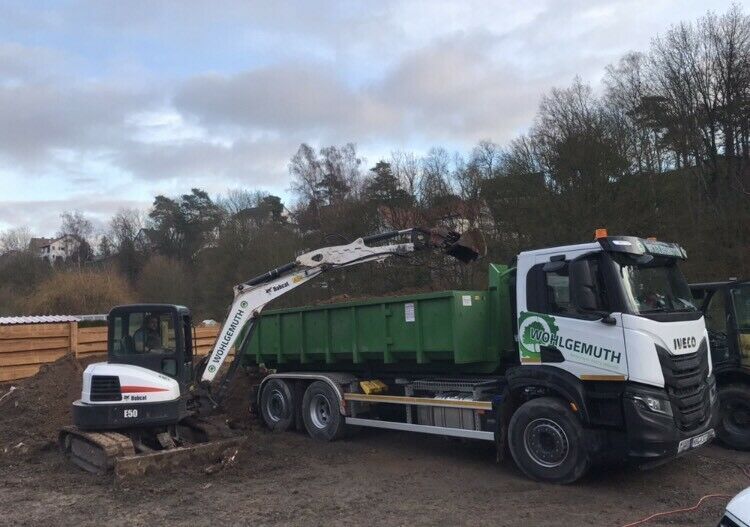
x=105 y=388
x=685 y=379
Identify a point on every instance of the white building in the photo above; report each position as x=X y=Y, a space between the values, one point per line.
x=58 y=249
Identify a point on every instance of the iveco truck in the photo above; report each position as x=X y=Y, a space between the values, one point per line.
x=574 y=355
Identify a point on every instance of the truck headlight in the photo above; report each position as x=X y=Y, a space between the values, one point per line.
x=660 y=406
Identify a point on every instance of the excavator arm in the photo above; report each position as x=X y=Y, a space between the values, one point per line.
x=252 y=296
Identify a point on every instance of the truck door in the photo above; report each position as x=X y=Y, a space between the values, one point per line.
x=717 y=314
x=740 y=321
x=569 y=322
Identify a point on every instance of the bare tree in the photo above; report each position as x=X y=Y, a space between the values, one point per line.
x=405 y=166
x=435 y=181
x=125 y=226
x=77 y=226
x=306 y=172
x=16 y=239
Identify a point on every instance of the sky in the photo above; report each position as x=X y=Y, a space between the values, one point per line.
x=105 y=104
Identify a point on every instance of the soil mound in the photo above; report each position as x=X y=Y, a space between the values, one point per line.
x=37 y=407
x=240 y=399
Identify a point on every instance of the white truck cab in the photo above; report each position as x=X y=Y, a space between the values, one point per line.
x=613 y=321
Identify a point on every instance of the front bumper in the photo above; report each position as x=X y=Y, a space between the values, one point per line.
x=653 y=438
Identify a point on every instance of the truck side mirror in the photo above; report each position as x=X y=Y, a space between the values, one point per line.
x=583 y=286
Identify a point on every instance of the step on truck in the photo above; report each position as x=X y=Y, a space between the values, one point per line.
x=574 y=355
x=726 y=308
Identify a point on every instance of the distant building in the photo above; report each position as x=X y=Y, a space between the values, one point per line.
x=55 y=249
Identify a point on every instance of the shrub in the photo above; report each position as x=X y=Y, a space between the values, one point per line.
x=79 y=291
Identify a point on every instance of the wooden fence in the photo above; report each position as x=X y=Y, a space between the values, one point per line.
x=25 y=348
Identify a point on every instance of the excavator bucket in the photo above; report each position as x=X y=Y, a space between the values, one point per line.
x=465 y=247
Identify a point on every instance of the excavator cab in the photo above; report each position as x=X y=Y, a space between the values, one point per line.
x=157 y=337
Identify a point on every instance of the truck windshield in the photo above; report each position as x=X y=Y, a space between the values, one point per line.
x=657 y=286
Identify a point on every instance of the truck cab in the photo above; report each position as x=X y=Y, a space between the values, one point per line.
x=726 y=307
x=613 y=322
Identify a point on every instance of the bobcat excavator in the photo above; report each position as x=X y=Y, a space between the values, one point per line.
x=149 y=400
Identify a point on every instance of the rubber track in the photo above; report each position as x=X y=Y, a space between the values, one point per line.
x=112 y=445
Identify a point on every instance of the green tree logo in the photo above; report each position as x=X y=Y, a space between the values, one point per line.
x=535 y=330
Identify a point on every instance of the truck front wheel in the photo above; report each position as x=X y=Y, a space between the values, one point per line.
x=320 y=412
x=546 y=440
x=277 y=405
x=734 y=424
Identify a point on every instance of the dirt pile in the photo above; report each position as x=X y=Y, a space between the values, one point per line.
x=239 y=399
x=32 y=414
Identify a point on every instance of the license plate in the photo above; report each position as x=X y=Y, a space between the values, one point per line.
x=695 y=442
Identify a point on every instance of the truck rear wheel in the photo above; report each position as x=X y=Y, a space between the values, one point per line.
x=734 y=423
x=546 y=440
x=277 y=405
x=320 y=412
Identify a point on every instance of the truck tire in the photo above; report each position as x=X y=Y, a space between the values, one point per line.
x=320 y=412
x=277 y=405
x=546 y=440
x=734 y=419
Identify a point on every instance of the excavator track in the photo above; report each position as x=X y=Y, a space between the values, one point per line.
x=94 y=452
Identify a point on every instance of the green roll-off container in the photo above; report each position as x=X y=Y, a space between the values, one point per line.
x=447 y=331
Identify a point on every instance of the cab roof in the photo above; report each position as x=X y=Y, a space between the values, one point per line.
x=624 y=244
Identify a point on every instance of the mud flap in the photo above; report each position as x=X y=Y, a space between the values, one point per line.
x=501 y=427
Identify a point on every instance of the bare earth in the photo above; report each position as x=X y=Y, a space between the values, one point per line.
x=375 y=477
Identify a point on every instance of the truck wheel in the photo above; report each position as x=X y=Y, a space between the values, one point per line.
x=320 y=412
x=277 y=405
x=546 y=440
x=734 y=422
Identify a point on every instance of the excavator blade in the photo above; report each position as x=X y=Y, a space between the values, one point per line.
x=106 y=451
x=150 y=463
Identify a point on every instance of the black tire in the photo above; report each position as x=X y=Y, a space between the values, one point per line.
x=734 y=416
x=546 y=440
x=320 y=412
x=277 y=405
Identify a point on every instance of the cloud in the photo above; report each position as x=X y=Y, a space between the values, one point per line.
x=43 y=216
x=211 y=165
x=41 y=118
x=280 y=98
x=102 y=99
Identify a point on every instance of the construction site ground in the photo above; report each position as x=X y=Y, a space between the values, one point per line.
x=375 y=477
